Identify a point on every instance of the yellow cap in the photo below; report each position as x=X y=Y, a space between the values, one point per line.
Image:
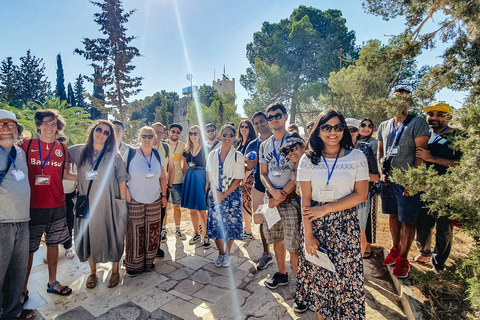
x=439 y=106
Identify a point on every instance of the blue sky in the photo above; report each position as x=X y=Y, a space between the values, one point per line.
x=207 y=35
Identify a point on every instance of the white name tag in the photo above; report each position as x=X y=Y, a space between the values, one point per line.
x=42 y=180
x=395 y=151
x=149 y=175
x=18 y=174
x=191 y=164
x=91 y=175
x=326 y=195
x=276 y=174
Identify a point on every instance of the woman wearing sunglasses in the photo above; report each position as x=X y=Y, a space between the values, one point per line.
x=226 y=169
x=193 y=190
x=146 y=196
x=365 y=134
x=100 y=237
x=246 y=133
x=294 y=149
x=333 y=179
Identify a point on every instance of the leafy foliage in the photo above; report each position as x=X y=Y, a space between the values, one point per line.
x=158 y=107
x=71 y=96
x=80 y=93
x=8 y=80
x=221 y=110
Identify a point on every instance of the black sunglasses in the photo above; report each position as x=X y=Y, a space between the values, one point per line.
x=243 y=127
x=309 y=126
x=210 y=130
x=194 y=133
x=175 y=131
x=227 y=135
x=287 y=150
x=276 y=116
x=106 y=133
x=363 y=125
x=339 y=127
x=353 y=130
x=147 y=136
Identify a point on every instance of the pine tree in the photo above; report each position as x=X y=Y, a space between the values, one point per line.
x=8 y=81
x=112 y=56
x=60 y=87
x=33 y=84
x=79 y=93
x=98 y=98
x=71 y=96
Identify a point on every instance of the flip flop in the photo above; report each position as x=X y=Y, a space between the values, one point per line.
x=25 y=297
x=25 y=313
x=368 y=254
x=91 y=281
x=51 y=289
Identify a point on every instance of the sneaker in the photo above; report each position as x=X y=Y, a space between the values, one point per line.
x=180 y=235
x=133 y=274
x=195 y=239
x=69 y=254
x=247 y=235
x=206 y=243
x=299 y=307
x=227 y=261
x=391 y=257
x=278 y=279
x=163 y=237
x=160 y=253
x=402 y=267
x=219 y=261
x=152 y=268
x=264 y=261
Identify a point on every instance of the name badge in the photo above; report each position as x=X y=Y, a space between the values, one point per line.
x=18 y=174
x=42 y=180
x=276 y=174
x=395 y=151
x=91 y=175
x=222 y=176
x=150 y=175
x=191 y=164
x=326 y=195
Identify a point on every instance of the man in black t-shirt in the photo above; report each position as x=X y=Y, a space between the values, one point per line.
x=441 y=156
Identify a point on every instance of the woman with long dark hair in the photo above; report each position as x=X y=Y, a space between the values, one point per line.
x=246 y=133
x=100 y=236
x=365 y=133
x=333 y=179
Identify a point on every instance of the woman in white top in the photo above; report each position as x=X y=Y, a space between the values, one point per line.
x=146 y=196
x=333 y=179
x=226 y=169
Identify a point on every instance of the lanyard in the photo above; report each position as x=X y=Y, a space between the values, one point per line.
x=149 y=163
x=277 y=156
x=175 y=148
x=120 y=145
x=439 y=134
x=333 y=168
x=395 y=134
x=99 y=156
x=13 y=160
x=43 y=163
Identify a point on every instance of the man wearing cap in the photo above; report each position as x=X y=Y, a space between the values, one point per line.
x=14 y=217
x=440 y=155
x=212 y=143
x=398 y=139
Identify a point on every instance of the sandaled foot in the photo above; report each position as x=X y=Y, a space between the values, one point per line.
x=421 y=259
x=114 y=280
x=57 y=288
x=91 y=281
x=368 y=254
x=26 y=314
x=24 y=297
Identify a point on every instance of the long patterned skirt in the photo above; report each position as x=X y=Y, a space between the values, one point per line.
x=247 y=193
x=143 y=235
x=338 y=295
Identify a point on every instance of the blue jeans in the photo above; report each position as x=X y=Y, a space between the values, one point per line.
x=14 y=239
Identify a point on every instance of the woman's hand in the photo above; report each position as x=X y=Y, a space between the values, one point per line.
x=272 y=203
x=164 y=202
x=311 y=245
x=220 y=196
x=312 y=213
x=128 y=196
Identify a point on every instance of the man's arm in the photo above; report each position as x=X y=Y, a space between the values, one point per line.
x=276 y=194
x=422 y=143
x=171 y=171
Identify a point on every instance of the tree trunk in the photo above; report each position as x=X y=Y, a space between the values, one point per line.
x=293 y=108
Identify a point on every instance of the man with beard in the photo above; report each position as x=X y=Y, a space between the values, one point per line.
x=398 y=139
x=212 y=143
x=14 y=217
x=441 y=156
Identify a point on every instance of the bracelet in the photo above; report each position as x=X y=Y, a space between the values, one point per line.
x=169 y=187
x=164 y=197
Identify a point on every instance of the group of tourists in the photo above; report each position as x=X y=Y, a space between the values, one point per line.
x=323 y=190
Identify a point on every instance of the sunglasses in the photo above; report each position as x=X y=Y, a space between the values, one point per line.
x=363 y=125
x=10 y=125
x=339 y=127
x=243 y=127
x=194 y=133
x=287 y=150
x=276 y=116
x=106 y=133
x=353 y=130
x=175 y=131
x=227 y=135
x=210 y=130
x=147 y=136
x=159 y=133
x=310 y=126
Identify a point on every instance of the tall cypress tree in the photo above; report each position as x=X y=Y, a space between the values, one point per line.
x=112 y=56
x=79 y=92
x=71 y=96
x=60 y=87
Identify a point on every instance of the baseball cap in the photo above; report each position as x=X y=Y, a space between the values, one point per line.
x=439 y=106
x=5 y=114
x=291 y=141
x=353 y=122
x=176 y=125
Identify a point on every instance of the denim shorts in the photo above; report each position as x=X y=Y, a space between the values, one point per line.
x=363 y=213
x=176 y=194
x=393 y=202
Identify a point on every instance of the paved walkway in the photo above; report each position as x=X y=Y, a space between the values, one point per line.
x=187 y=285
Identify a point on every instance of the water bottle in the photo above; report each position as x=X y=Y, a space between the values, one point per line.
x=251 y=156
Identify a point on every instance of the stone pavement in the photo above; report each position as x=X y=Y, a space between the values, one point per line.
x=187 y=285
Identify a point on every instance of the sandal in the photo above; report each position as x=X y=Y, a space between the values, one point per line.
x=368 y=254
x=62 y=292
x=91 y=281
x=418 y=259
x=26 y=313
x=114 y=280
x=69 y=254
x=25 y=297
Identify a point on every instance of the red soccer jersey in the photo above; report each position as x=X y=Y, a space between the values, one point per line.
x=46 y=196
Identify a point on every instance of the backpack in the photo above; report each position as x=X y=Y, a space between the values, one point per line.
x=131 y=154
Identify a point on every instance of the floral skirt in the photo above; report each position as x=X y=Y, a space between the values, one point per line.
x=224 y=219
x=247 y=193
x=340 y=294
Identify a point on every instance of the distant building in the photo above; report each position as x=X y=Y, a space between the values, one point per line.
x=180 y=114
x=225 y=85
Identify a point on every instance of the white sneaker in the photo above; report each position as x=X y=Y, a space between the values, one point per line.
x=227 y=261
x=219 y=261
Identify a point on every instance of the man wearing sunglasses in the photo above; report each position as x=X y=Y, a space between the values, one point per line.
x=46 y=159
x=212 y=143
x=276 y=175
x=398 y=139
x=119 y=128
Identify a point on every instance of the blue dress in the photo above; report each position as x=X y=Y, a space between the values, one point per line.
x=224 y=219
x=193 y=189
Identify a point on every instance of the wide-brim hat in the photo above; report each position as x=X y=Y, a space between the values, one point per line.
x=5 y=114
x=352 y=122
x=439 y=106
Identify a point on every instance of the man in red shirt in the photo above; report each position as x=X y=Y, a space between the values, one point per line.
x=46 y=159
